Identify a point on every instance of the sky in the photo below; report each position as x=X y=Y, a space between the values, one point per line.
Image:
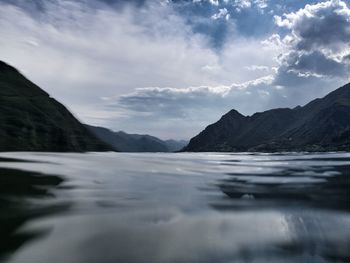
x=169 y=68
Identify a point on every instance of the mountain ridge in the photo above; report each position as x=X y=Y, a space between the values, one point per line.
x=126 y=142
x=30 y=120
x=320 y=125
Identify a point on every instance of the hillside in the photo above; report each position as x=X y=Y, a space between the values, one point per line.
x=321 y=125
x=125 y=142
x=30 y=120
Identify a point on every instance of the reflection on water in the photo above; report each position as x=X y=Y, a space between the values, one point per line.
x=319 y=187
x=206 y=207
x=16 y=187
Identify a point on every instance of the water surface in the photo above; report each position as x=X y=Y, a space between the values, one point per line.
x=206 y=207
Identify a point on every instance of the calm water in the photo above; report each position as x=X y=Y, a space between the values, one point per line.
x=110 y=207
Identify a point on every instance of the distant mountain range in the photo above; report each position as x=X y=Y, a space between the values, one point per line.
x=125 y=142
x=321 y=125
x=30 y=120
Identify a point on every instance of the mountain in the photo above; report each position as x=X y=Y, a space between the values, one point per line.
x=125 y=142
x=30 y=120
x=175 y=146
x=321 y=125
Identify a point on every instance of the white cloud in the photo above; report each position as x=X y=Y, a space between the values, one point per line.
x=192 y=108
x=214 y=2
x=223 y=13
x=242 y=4
x=257 y=67
x=261 y=3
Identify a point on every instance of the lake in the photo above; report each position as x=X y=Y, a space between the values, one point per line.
x=183 y=207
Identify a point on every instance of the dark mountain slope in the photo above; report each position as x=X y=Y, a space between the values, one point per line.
x=32 y=121
x=125 y=142
x=321 y=125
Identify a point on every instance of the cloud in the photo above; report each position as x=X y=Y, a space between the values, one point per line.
x=214 y=2
x=257 y=67
x=178 y=102
x=242 y=4
x=314 y=63
x=103 y=52
x=223 y=13
x=194 y=107
x=261 y=3
x=323 y=25
x=245 y=4
x=316 y=45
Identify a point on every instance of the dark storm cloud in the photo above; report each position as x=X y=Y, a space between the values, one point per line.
x=317 y=43
x=326 y=30
x=323 y=25
x=314 y=63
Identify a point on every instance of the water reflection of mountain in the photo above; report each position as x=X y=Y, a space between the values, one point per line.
x=314 y=202
x=314 y=186
x=16 y=187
